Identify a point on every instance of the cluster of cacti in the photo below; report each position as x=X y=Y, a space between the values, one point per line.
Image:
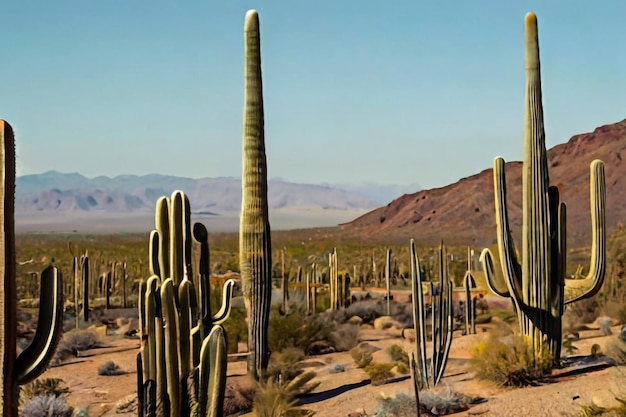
x=183 y=344
x=255 y=248
x=469 y=283
x=429 y=371
x=537 y=285
x=29 y=364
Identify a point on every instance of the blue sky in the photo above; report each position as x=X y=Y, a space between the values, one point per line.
x=399 y=92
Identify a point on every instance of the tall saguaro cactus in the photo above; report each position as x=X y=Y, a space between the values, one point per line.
x=255 y=248
x=538 y=286
x=28 y=365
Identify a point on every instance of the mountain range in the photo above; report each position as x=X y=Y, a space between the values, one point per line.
x=54 y=191
x=464 y=211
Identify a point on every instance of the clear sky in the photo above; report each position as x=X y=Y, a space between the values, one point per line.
x=370 y=90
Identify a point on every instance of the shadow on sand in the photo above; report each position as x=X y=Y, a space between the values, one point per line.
x=325 y=395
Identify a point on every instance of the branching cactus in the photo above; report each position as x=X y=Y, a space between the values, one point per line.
x=255 y=246
x=430 y=370
x=183 y=344
x=537 y=285
x=29 y=364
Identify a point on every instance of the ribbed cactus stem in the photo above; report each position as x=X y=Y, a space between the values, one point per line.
x=33 y=360
x=255 y=247
x=388 y=281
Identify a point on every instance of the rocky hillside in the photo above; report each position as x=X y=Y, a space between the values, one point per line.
x=464 y=211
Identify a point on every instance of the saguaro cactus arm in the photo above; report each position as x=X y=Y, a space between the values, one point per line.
x=33 y=360
x=511 y=268
x=578 y=289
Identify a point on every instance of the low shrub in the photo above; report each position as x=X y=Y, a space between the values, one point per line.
x=361 y=357
x=297 y=330
x=238 y=397
x=335 y=369
x=509 y=361
x=279 y=398
x=398 y=354
x=46 y=406
x=44 y=386
x=380 y=371
x=438 y=401
x=76 y=341
x=284 y=365
x=345 y=337
x=109 y=368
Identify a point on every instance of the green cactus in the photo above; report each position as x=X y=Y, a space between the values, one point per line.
x=431 y=370
x=29 y=364
x=388 y=281
x=179 y=331
x=469 y=283
x=255 y=247
x=537 y=285
x=334 y=286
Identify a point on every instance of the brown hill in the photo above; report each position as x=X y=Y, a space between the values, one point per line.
x=463 y=212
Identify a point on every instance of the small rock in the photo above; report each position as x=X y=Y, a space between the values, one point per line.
x=355 y=320
x=385 y=322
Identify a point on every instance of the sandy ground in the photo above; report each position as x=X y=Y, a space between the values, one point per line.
x=340 y=394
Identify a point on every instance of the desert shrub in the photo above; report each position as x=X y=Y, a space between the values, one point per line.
x=507 y=316
x=238 y=397
x=44 y=386
x=345 y=337
x=361 y=357
x=595 y=350
x=279 y=398
x=380 y=371
x=109 y=368
x=509 y=361
x=368 y=310
x=46 y=406
x=75 y=341
x=569 y=347
x=616 y=347
x=335 y=369
x=398 y=354
x=439 y=401
x=284 y=364
x=296 y=330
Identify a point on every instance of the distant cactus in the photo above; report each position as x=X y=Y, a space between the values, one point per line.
x=28 y=365
x=537 y=285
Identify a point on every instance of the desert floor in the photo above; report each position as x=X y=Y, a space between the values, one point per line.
x=340 y=394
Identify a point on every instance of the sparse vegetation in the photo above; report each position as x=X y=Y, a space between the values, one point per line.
x=509 y=360
x=437 y=402
x=47 y=406
x=75 y=341
x=45 y=386
x=361 y=357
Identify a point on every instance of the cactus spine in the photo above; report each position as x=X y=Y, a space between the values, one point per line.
x=537 y=286
x=19 y=370
x=255 y=248
x=183 y=345
x=431 y=370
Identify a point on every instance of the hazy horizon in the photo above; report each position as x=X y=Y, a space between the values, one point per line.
x=389 y=93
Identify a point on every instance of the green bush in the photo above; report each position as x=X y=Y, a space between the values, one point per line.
x=297 y=330
x=380 y=371
x=361 y=357
x=398 y=354
x=509 y=361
